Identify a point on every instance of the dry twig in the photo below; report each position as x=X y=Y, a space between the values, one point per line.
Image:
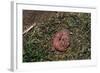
x=29 y=28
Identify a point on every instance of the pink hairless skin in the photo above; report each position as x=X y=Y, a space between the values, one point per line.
x=61 y=40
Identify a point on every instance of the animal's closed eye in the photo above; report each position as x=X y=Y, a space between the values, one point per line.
x=59 y=39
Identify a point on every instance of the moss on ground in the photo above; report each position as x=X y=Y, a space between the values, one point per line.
x=37 y=43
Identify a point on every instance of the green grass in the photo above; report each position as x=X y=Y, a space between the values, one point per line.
x=37 y=43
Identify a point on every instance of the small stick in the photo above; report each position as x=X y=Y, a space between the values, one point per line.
x=29 y=28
